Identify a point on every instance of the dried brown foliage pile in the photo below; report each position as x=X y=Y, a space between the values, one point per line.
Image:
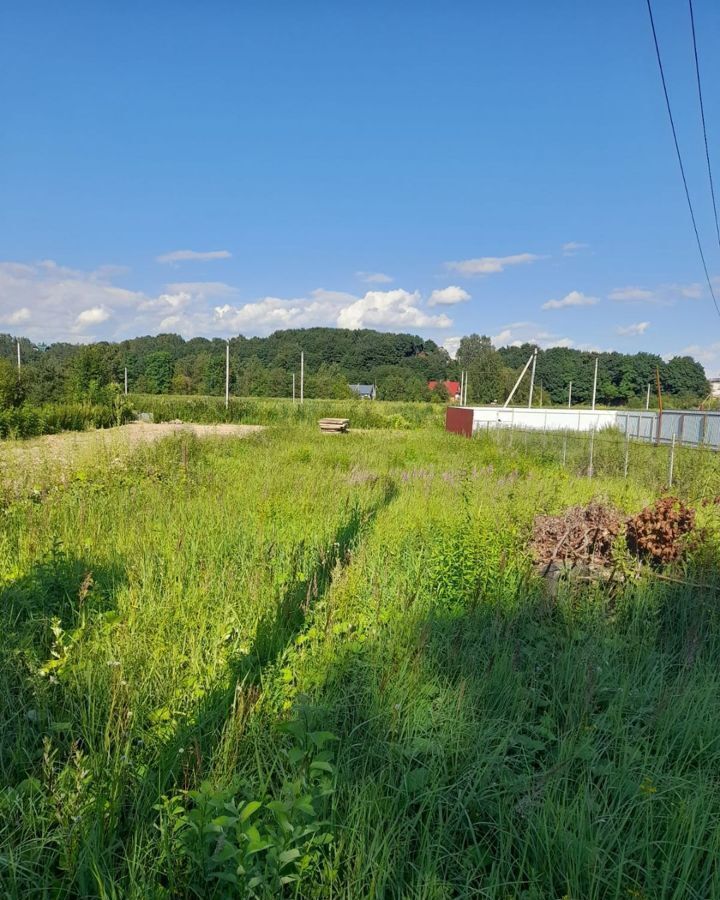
x=586 y=534
x=582 y=534
x=656 y=533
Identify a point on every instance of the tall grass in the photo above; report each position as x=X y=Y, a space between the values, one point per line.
x=31 y=421
x=258 y=411
x=453 y=731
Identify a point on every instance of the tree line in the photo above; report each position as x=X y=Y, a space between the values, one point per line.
x=401 y=365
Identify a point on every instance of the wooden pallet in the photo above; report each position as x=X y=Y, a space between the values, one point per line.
x=334 y=426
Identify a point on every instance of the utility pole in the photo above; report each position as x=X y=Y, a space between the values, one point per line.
x=227 y=374
x=126 y=381
x=18 y=353
x=517 y=383
x=302 y=376
x=293 y=387
x=647 y=399
x=570 y=395
x=462 y=387
x=532 y=378
x=595 y=382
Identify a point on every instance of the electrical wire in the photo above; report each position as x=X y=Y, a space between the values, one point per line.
x=679 y=158
x=702 y=116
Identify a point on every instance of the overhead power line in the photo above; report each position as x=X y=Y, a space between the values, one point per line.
x=679 y=158
x=702 y=116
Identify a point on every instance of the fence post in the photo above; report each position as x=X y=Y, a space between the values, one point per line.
x=672 y=461
x=627 y=454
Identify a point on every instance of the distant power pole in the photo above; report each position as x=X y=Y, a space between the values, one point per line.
x=18 y=352
x=302 y=376
x=532 y=379
x=570 y=395
x=647 y=398
x=227 y=374
x=595 y=382
x=126 y=381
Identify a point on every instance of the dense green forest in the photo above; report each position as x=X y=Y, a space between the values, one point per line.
x=399 y=364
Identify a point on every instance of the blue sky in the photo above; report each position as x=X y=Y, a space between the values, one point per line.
x=433 y=167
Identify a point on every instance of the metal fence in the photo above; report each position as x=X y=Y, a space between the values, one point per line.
x=690 y=428
x=694 y=469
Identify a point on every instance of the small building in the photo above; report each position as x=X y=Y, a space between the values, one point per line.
x=715 y=387
x=364 y=391
x=452 y=387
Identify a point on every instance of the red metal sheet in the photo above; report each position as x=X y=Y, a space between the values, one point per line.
x=459 y=420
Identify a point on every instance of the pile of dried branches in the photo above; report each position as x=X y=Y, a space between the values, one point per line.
x=582 y=534
x=587 y=535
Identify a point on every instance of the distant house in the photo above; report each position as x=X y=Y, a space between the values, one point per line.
x=715 y=387
x=364 y=391
x=452 y=387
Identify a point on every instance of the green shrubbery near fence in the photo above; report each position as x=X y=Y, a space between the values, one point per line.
x=30 y=421
x=261 y=411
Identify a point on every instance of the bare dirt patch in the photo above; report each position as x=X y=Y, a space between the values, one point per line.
x=62 y=450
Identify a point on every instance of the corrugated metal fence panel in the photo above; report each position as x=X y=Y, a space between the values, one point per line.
x=691 y=427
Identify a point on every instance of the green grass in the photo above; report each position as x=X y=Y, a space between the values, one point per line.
x=277 y=411
x=345 y=633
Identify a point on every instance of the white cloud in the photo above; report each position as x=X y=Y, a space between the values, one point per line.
x=502 y=337
x=572 y=248
x=488 y=265
x=451 y=344
x=389 y=309
x=54 y=303
x=707 y=354
x=517 y=333
x=374 y=277
x=187 y=255
x=93 y=316
x=633 y=330
x=201 y=288
x=631 y=293
x=16 y=317
x=574 y=298
x=448 y=296
x=662 y=295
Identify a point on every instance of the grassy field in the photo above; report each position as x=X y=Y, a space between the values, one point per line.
x=307 y=666
x=276 y=411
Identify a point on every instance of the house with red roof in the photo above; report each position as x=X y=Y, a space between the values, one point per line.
x=452 y=387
